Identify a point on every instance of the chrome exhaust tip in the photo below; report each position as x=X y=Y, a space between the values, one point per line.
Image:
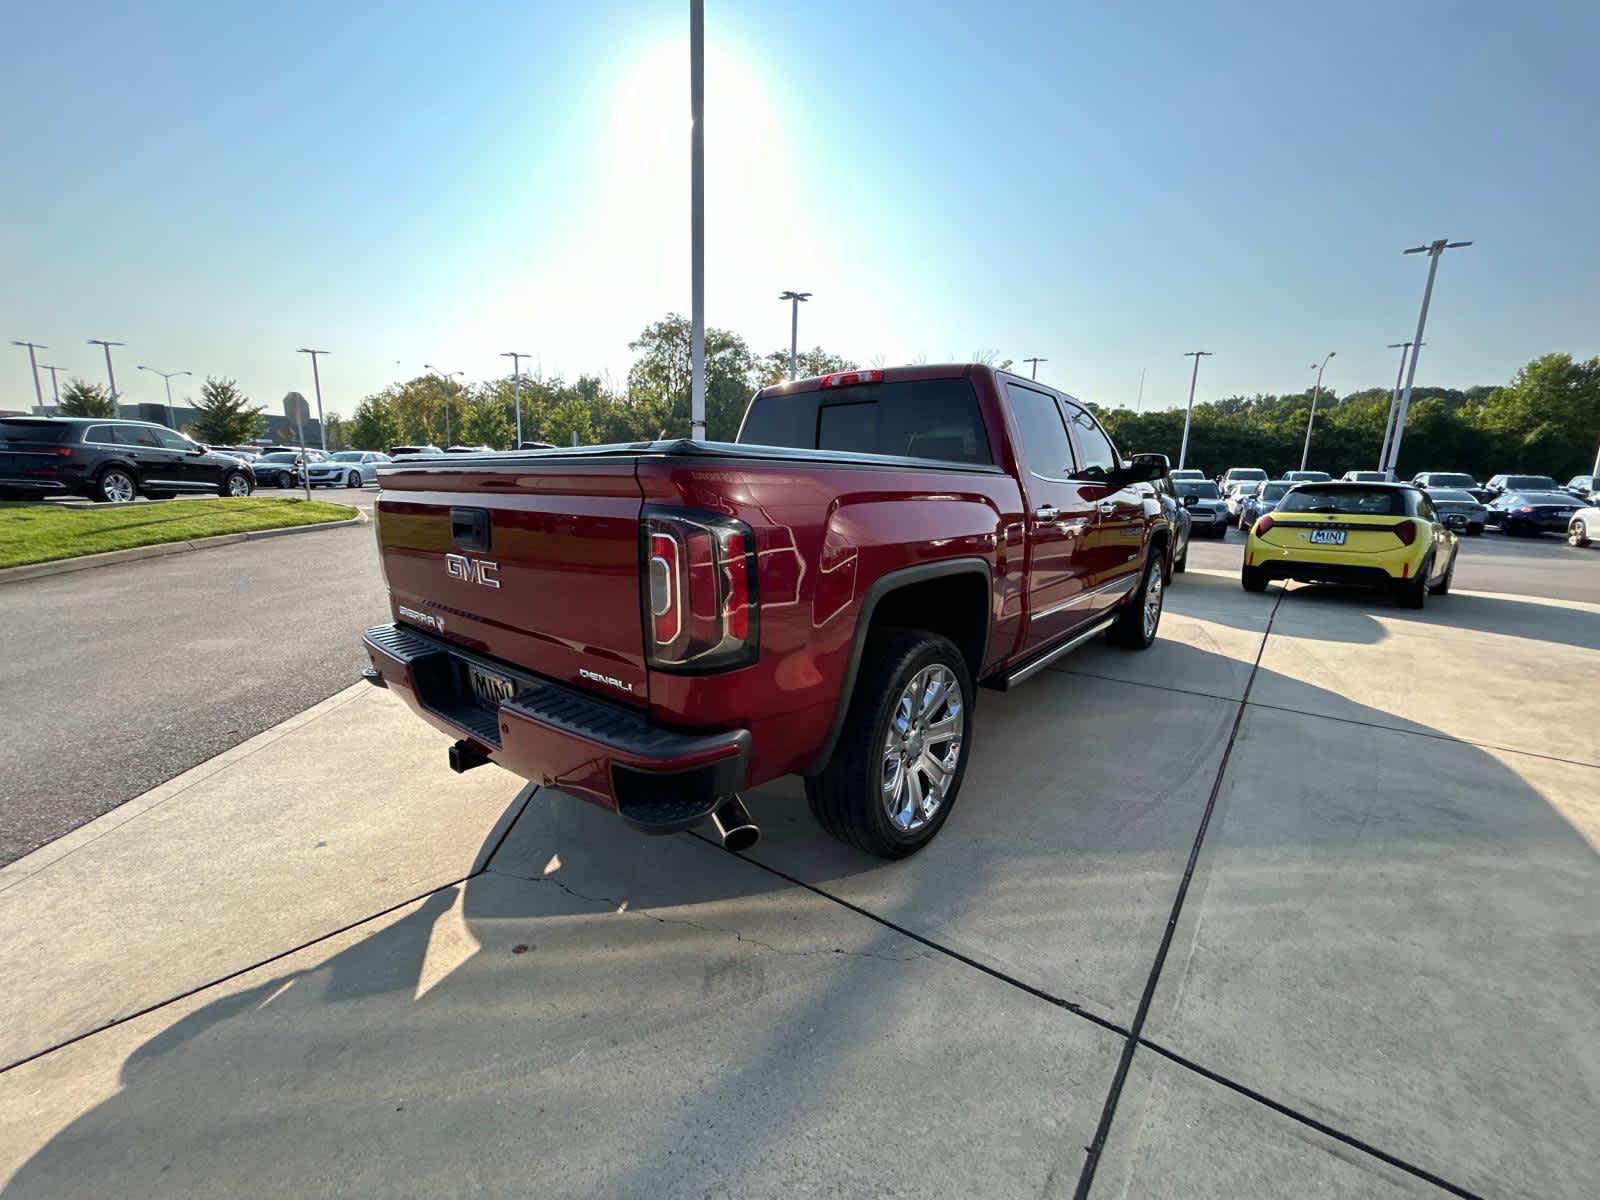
x=731 y=820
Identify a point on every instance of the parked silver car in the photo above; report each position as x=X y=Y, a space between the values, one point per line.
x=348 y=468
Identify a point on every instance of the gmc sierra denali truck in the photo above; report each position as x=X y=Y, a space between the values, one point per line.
x=654 y=627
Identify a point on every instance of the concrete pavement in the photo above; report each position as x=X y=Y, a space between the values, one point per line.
x=1379 y=982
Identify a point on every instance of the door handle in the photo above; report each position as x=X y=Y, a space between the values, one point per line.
x=1107 y=508
x=1047 y=512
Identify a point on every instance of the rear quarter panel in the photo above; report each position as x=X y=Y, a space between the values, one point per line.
x=824 y=535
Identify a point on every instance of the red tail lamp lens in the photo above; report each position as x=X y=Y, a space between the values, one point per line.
x=700 y=592
x=1263 y=524
x=1406 y=531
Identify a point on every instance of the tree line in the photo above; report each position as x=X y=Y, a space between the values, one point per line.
x=653 y=403
x=1545 y=421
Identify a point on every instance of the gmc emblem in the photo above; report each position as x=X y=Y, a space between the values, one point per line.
x=472 y=570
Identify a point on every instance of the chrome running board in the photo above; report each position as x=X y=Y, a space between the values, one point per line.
x=1004 y=683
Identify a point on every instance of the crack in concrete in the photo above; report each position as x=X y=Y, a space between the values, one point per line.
x=619 y=905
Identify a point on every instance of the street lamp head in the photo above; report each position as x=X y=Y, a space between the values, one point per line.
x=795 y=296
x=303 y=350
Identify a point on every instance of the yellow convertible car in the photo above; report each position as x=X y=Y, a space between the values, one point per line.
x=1379 y=534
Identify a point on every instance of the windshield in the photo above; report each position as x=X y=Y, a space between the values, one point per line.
x=1275 y=491
x=1238 y=473
x=1450 y=480
x=1451 y=496
x=278 y=456
x=346 y=456
x=1532 y=483
x=1367 y=476
x=1356 y=501
x=1310 y=476
x=1205 y=491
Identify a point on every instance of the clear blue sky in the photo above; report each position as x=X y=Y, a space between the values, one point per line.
x=219 y=184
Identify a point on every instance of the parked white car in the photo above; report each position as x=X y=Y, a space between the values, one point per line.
x=1584 y=527
x=348 y=468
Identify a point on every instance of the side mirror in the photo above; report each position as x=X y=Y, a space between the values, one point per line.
x=1143 y=468
x=197 y=450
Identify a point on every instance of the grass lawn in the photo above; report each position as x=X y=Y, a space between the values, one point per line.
x=31 y=533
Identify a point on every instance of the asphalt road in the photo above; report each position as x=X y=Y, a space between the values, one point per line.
x=119 y=678
x=1492 y=562
x=116 y=679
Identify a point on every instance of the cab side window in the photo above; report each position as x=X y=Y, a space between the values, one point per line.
x=1097 y=458
x=1041 y=437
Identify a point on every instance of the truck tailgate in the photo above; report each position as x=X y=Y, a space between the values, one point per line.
x=535 y=563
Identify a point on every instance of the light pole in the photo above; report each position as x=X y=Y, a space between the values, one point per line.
x=166 y=376
x=110 y=374
x=446 y=376
x=697 y=220
x=1197 y=355
x=33 y=362
x=1139 y=403
x=1034 y=363
x=316 y=381
x=516 y=357
x=1394 y=401
x=795 y=299
x=1310 y=420
x=55 y=389
x=1435 y=251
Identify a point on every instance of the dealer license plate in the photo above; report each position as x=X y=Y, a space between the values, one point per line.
x=488 y=688
x=1328 y=537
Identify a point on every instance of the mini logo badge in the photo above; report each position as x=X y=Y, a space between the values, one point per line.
x=472 y=570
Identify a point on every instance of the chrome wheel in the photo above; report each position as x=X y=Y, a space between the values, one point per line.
x=923 y=747
x=1152 y=603
x=117 y=487
x=238 y=485
x=354 y=480
x=1577 y=534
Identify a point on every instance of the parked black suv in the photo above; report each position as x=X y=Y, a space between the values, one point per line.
x=111 y=460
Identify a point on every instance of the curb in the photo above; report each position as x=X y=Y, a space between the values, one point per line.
x=84 y=562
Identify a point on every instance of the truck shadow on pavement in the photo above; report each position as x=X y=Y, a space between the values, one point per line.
x=602 y=1014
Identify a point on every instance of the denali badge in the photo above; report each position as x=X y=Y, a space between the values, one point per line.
x=607 y=679
x=472 y=570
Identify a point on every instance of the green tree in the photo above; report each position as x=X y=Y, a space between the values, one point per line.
x=1547 y=419
x=374 y=426
x=80 y=399
x=336 y=431
x=227 y=418
x=774 y=368
x=658 y=381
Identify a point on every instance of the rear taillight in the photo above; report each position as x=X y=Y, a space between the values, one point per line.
x=1406 y=531
x=1525 y=509
x=701 y=606
x=849 y=378
x=1263 y=524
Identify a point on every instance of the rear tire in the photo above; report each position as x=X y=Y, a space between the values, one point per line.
x=235 y=483
x=1140 y=617
x=1181 y=563
x=849 y=797
x=1577 y=534
x=1443 y=586
x=1474 y=530
x=1253 y=579
x=1413 y=592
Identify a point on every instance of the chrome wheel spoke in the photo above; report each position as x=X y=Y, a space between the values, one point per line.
x=922 y=747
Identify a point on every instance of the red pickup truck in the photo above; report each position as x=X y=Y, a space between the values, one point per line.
x=655 y=626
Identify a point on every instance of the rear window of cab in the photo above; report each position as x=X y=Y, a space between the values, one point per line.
x=928 y=418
